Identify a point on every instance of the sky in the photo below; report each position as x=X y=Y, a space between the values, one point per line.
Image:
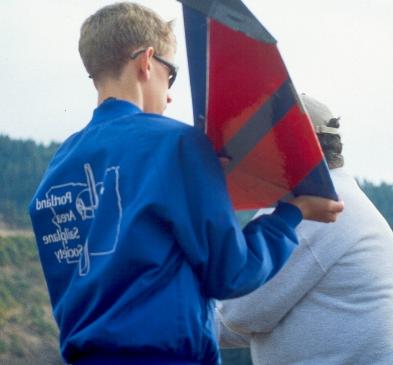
x=340 y=52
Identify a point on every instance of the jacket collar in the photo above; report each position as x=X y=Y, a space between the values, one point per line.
x=112 y=108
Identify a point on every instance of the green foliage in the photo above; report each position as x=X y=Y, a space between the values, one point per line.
x=15 y=346
x=3 y=347
x=382 y=197
x=28 y=333
x=22 y=164
x=17 y=250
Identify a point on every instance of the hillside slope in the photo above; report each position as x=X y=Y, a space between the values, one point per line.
x=28 y=334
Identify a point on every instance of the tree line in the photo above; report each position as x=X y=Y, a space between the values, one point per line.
x=23 y=162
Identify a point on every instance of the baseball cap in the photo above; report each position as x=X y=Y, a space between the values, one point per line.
x=319 y=114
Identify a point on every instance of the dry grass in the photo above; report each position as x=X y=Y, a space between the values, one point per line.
x=5 y=232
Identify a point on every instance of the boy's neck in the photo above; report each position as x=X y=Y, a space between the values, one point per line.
x=115 y=91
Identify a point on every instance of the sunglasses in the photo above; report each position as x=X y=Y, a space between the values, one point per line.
x=170 y=66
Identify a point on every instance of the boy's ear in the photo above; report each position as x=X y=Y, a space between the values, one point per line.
x=145 y=62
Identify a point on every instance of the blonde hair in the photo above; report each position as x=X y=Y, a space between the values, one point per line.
x=109 y=36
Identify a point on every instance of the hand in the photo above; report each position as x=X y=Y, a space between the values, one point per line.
x=318 y=209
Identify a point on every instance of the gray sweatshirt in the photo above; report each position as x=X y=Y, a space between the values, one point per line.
x=332 y=303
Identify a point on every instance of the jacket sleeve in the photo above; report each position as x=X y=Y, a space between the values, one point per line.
x=262 y=310
x=228 y=262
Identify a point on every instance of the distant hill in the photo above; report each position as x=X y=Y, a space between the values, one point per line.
x=22 y=164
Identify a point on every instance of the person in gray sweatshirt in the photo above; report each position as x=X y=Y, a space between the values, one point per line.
x=332 y=303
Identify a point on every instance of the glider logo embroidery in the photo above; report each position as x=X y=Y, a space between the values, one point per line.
x=79 y=225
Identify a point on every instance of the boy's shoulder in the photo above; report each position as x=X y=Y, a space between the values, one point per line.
x=164 y=121
x=171 y=126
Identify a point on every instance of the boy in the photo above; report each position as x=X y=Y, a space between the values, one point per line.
x=133 y=222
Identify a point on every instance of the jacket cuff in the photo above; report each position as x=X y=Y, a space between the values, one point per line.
x=289 y=213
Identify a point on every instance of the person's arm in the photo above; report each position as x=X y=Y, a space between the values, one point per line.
x=195 y=202
x=227 y=337
x=229 y=262
x=264 y=308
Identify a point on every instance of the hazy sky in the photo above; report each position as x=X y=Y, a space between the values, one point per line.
x=339 y=51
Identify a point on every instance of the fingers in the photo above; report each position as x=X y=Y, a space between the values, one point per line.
x=337 y=207
x=334 y=210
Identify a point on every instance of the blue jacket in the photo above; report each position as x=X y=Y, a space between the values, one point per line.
x=136 y=235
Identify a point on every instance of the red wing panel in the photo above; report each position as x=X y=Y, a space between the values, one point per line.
x=276 y=164
x=243 y=74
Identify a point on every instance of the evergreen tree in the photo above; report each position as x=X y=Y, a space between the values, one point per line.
x=382 y=197
x=22 y=164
